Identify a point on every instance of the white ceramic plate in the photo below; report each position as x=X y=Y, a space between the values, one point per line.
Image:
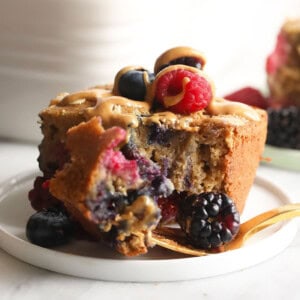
x=281 y=157
x=92 y=260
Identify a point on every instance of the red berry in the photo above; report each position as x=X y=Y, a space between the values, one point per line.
x=45 y=184
x=250 y=96
x=39 y=196
x=114 y=161
x=278 y=56
x=183 y=90
x=168 y=207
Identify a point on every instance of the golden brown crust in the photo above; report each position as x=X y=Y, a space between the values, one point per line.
x=231 y=148
x=72 y=184
x=77 y=184
x=214 y=153
x=242 y=160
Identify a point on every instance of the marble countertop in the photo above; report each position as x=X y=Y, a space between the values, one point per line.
x=277 y=278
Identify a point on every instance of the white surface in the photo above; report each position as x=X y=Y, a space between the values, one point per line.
x=91 y=260
x=277 y=278
x=54 y=46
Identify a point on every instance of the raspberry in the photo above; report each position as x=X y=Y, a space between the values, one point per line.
x=39 y=196
x=278 y=56
x=168 y=207
x=116 y=163
x=284 y=127
x=183 y=90
x=250 y=96
x=209 y=220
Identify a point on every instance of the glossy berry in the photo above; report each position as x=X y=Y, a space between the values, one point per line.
x=188 y=61
x=181 y=55
x=250 y=96
x=209 y=220
x=49 y=228
x=133 y=84
x=168 y=207
x=39 y=196
x=183 y=91
x=284 y=127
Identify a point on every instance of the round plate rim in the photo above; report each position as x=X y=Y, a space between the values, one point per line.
x=13 y=244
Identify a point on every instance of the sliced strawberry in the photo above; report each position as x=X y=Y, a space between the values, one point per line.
x=250 y=96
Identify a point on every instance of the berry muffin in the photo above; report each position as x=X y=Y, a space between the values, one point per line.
x=121 y=159
x=283 y=66
x=283 y=74
x=283 y=100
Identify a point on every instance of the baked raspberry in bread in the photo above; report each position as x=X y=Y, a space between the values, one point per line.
x=113 y=155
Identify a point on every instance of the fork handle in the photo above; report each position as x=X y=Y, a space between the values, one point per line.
x=269 y=218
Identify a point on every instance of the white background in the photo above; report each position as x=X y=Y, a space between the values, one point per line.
x=52 y=46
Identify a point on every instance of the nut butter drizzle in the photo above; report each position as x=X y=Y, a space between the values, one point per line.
x=105 y=101
x=121 y=111
x=220 y=106
x=113 y=110
x=178 y=52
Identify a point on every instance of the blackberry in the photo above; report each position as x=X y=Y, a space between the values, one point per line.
x=209 y=220
x=284 y=127
x=49 y=227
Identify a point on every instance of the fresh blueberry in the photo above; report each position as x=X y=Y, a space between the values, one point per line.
x=133 y=84
x=49 y=228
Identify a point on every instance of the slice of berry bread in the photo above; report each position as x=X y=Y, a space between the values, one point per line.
x=119 y=164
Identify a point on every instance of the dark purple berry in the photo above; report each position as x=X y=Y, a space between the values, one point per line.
x=39 y=196
x=209 y=219
x=160 y=135
x=284 y=127
x=133 y=84
x=188 y=61
x=49 y=228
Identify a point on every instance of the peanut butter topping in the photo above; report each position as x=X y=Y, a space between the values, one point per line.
x=92 y=96
x=123 y=112
x=176 y=53
x=220 y=106
x=115 y=110
x=173 y=100
x=118 y=111
x=141 y=215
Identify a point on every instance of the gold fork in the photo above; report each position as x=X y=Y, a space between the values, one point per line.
x=174 y=239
